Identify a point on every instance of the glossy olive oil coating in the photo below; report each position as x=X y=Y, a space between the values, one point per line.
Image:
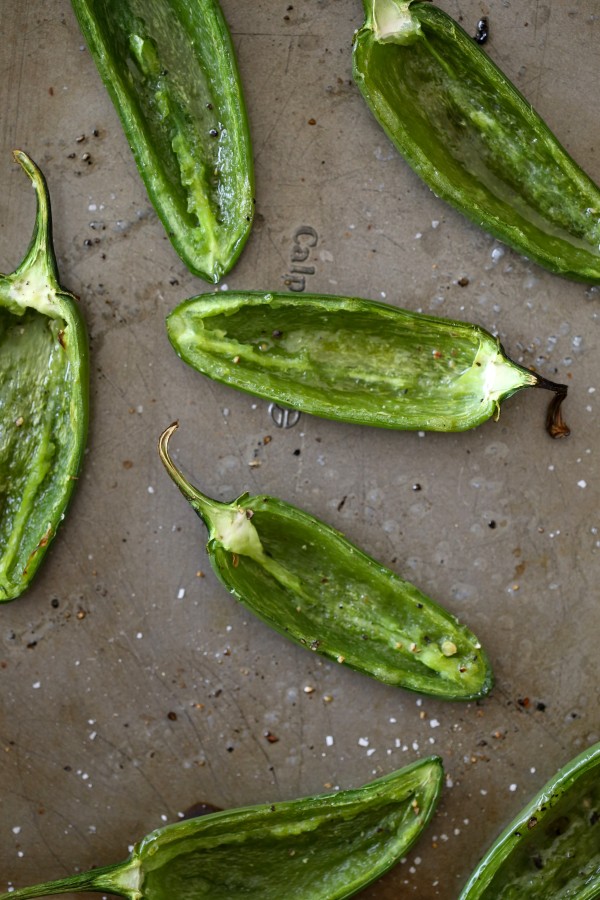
x=551 y=851
x=170 y=68
x=351 y=359
x=473 y=138
x=43 y=402
x=321 y=848
x=304 y=579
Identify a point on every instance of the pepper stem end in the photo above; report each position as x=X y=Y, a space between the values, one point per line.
x=555 y=424
x=203 y=505
x=392 y=21
x=121 y=879
x=40 y=253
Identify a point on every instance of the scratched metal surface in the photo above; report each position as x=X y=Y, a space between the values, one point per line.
x=131 y=686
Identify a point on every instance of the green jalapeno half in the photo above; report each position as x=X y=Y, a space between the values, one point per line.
x=305 y=580
x=473 y=138
x=354 y=360
x=320 y=848
x=551 y=851
x=170 y=69
x=43 y=401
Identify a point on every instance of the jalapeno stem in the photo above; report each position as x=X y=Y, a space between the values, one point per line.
x=205 y=506
x=40 y=253
x=121 y=879
x=555 y=424
x=228 y=523
x=392 y=21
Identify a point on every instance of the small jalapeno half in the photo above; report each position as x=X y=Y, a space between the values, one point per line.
x=43 y=401
x=305 y=580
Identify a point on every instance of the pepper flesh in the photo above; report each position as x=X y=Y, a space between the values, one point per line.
x=305 y=580
x=320 y=848
x=43 y=401
x=550 y=851
x=473 y=138
x=170 y=69
x=353 y=360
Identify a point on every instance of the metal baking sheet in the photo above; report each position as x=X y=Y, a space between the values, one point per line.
x=131 y=684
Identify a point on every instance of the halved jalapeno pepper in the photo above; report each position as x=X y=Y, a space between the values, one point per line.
x=170 y=69
x=305 y=580
x=43 y=401
x=473 y=138
x=354 y=360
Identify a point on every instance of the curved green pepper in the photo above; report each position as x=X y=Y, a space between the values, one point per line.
x=43 y=401
x=320 y=848
x=170 y=69
x=353 y=360
x=551 y=851
x=473 y=138
x=308 y=582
